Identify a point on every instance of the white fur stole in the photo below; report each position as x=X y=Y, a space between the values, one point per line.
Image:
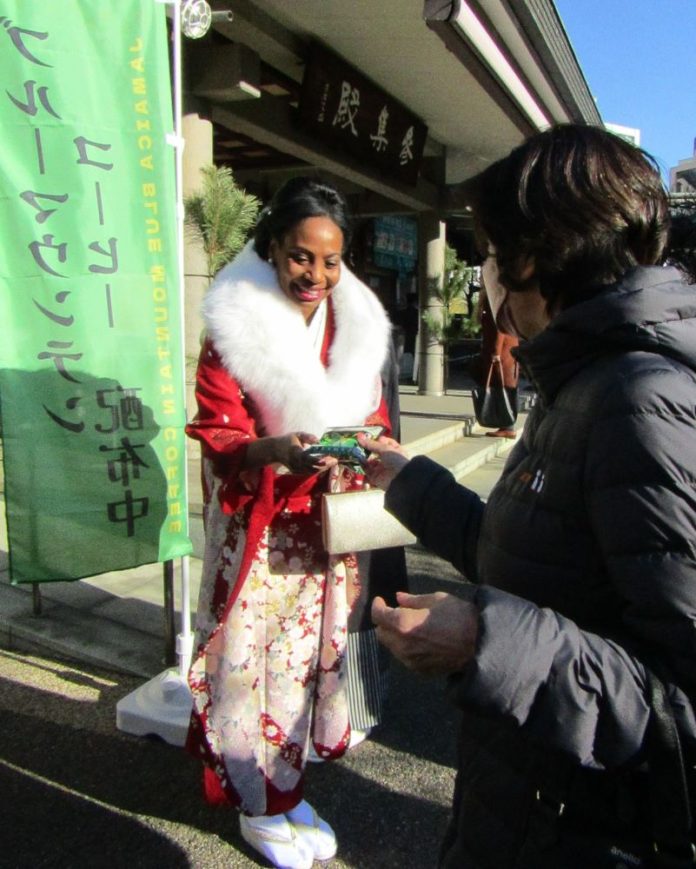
x=264 y=343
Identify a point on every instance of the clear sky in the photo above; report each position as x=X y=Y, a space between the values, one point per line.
x=639 y=60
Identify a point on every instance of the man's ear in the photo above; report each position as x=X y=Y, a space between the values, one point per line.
x=527 y=268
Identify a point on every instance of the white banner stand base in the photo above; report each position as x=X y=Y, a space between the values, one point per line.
x=160 y=707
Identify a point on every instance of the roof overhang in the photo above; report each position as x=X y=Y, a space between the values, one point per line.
x=482 y=76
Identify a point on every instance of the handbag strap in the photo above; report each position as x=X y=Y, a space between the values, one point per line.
x=497 y=365
x=669 y=791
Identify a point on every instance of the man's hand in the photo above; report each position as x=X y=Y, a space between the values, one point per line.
x=430 y=633
x=387 y=458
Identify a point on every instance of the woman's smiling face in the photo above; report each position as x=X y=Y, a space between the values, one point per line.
x=308 y=262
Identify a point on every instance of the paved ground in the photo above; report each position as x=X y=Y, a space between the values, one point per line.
x=78 y=794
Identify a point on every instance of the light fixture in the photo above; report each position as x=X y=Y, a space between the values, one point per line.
x=448 y=17
x=196 y=18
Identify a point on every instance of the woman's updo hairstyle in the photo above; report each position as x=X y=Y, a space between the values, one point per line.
x=295 y=201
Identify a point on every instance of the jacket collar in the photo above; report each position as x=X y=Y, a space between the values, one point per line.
x=651 y=309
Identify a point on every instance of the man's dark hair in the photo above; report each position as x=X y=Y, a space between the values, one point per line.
x=297 y=200
x=584 y=203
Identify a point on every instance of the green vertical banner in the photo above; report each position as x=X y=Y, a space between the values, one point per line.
x=91 y=381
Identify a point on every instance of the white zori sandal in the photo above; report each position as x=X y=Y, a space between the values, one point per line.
x=312 y=830
x=290 y=841
x=275 y=838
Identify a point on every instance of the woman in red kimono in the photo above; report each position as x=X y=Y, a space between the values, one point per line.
x=295 y=344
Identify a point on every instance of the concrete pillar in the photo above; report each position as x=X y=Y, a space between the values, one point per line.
x=431 y=258
x=198 y=152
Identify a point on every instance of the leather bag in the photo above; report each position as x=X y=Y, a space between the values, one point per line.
x=495 y=404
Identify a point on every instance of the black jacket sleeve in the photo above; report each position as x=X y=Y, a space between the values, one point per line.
x=444 y=516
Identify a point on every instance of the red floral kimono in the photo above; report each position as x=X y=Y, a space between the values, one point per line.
x=268 y=671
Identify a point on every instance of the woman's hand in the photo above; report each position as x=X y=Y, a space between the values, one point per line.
x=429 y=633
x=287 y=450
x=387 y=458
x=291 y=453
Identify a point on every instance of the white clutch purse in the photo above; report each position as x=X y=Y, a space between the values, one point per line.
x=356 y=521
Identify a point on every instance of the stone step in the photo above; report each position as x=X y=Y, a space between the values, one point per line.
x=463 y=457
x=483 y=479
x=424 y=436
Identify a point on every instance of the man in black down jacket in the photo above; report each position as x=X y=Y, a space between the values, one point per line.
x=583 y=561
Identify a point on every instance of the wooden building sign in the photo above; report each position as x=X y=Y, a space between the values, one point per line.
x=353 y=115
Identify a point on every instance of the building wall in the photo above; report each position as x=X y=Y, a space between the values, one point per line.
x=629 y=134
x=682 y=178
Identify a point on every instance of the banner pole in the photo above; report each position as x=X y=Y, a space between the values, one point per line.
x=162 y=706
x=184 y=641
x=169 y=613
x=184 y=644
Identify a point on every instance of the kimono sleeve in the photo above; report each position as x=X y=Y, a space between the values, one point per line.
x=224 y=423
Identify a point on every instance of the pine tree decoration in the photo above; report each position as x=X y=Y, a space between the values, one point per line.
x=220 y=216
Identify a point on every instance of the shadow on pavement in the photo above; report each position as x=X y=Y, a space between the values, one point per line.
x=45 y=825
x=78 y=793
